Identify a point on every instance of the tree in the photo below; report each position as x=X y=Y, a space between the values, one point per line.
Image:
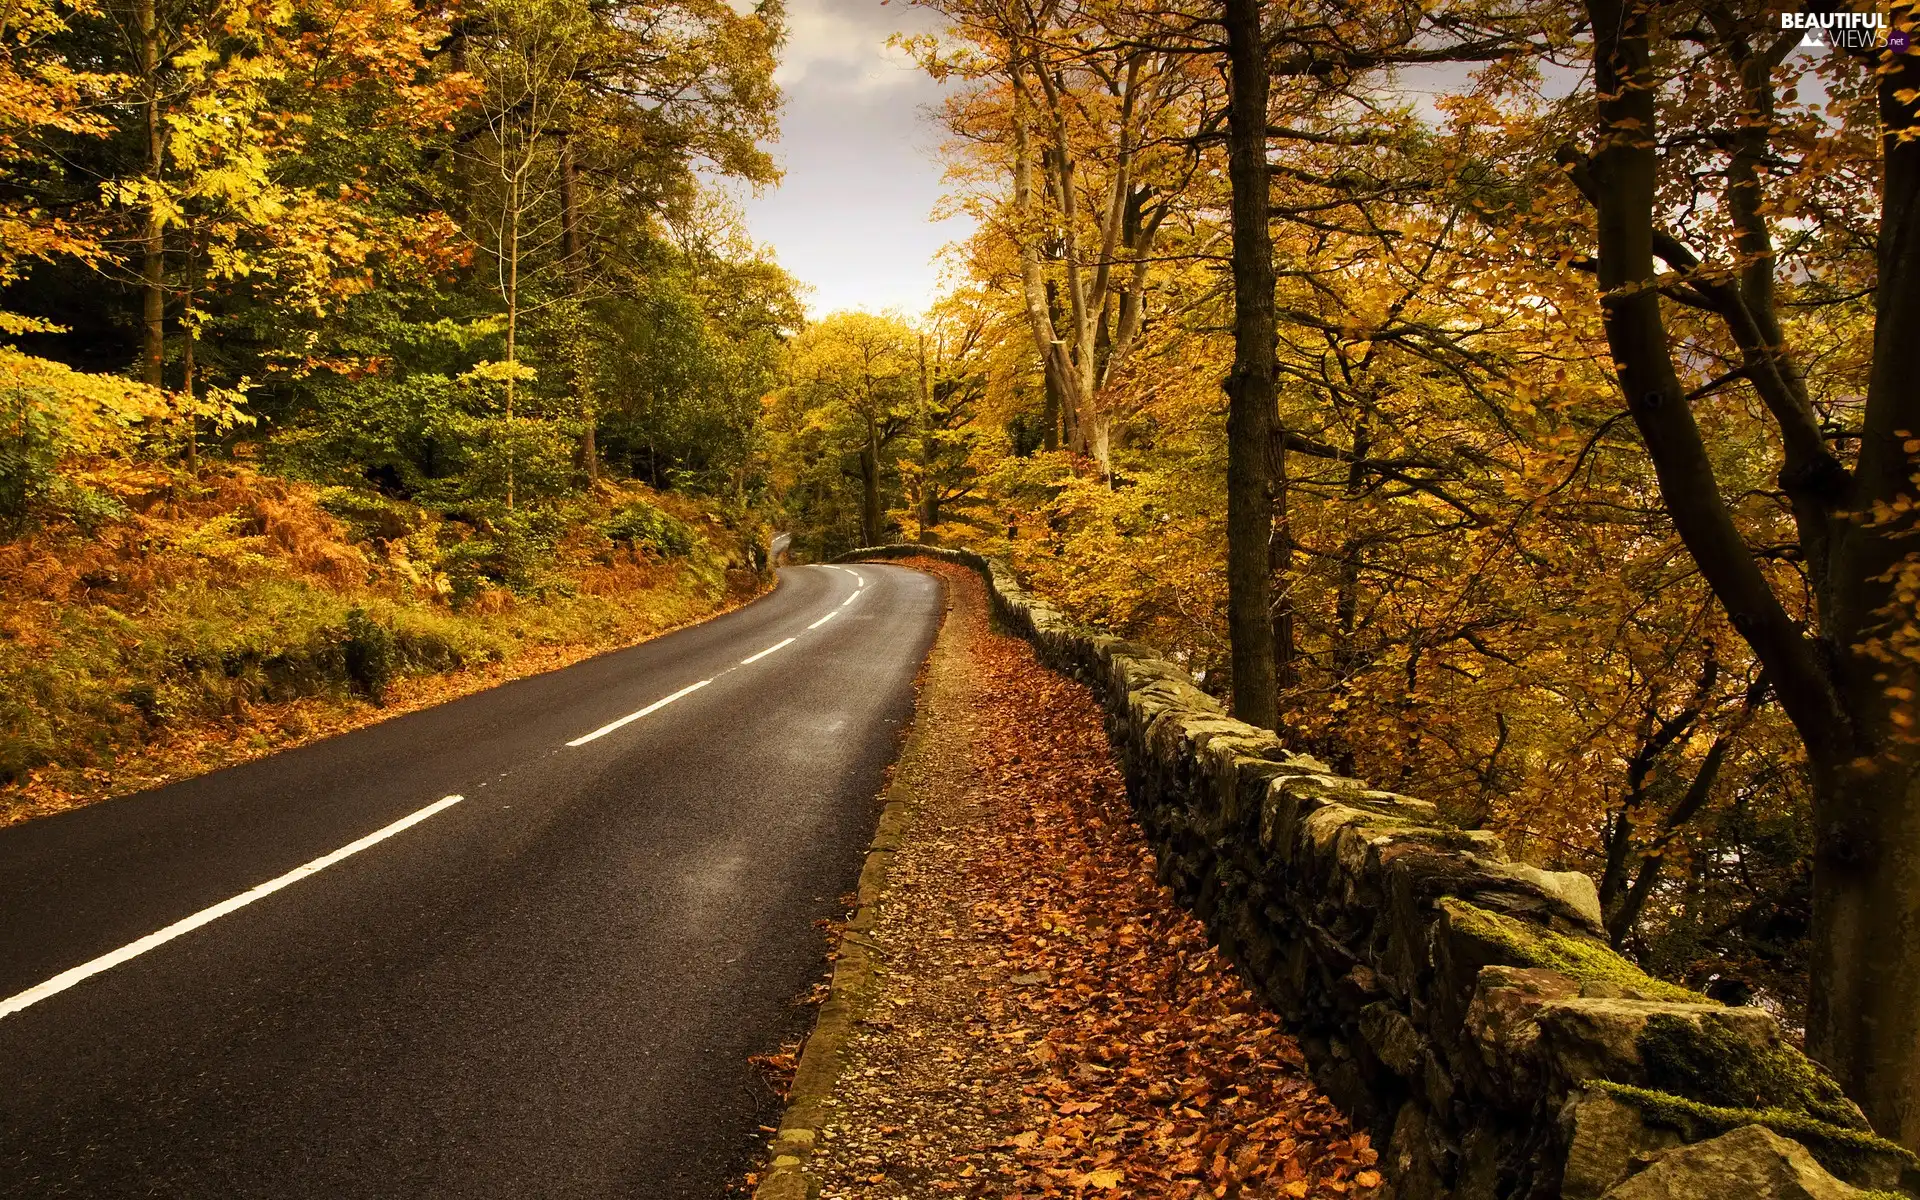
x=1081 y=123
x=44 y=97
x=1250 y=389
x=854 y=379
x=527 y=55
x=942 y=471
x=1843 y=670
x=656 y=91
x=1449 y=460
x=49 y=413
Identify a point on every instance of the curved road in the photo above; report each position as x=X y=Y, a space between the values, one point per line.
x=548 y=987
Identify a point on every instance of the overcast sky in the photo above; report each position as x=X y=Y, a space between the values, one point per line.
x=853 y=217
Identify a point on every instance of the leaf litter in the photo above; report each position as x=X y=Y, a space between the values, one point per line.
x=1048 y=1021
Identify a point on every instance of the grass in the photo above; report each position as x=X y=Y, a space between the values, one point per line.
x=227 y=618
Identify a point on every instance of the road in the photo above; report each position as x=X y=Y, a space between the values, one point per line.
x=549 y=987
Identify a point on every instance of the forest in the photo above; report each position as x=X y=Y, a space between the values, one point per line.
x=1506 y=400
x=350 y=343
x=1566 y=481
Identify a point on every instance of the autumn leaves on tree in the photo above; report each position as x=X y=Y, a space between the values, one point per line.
x=296 y=211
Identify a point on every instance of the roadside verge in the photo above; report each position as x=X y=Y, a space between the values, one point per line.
x=786 y=1176
x=1020 y=1009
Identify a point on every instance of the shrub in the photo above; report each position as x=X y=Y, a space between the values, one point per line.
x=643 y=526
x=370 y=515
x=514 y=549
x=370 y=654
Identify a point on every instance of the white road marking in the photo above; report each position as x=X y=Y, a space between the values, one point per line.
x=66 y=979
x=849 y=599
x=769 y=650
x=862 y=580
x=823 y=620
x=631 y=717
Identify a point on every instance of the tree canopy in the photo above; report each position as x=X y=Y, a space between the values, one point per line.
x=1506 y=400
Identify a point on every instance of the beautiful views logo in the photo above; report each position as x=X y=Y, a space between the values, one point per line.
x=1846 y=30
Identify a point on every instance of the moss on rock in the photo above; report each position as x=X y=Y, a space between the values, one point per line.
x=1849 y=1153
x=1716 y=1066
x=1588 y=962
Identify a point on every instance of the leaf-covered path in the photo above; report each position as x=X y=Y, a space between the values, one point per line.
x=1047 y=1021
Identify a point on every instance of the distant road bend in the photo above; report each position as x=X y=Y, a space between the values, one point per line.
x=519 y=945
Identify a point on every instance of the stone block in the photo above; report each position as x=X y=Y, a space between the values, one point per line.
x=1393 y=1040
x=1591 y=1037
x=1750 y=1163
x=1604 y=1138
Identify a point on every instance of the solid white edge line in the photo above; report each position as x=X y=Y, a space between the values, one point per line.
x=631 y=717
x=823 y=620
x=66 y=979
x=769 y=650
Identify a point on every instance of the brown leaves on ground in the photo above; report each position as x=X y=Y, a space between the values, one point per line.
x=776 y=1069
x=1131 y=1060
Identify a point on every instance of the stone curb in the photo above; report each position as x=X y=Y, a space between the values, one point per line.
x=850 y=993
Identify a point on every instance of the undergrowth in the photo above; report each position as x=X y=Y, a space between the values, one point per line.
x=246 y=609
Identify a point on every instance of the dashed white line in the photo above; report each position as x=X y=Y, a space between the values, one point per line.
x=631 y=717
x=608 y=728
x=769 y=650
x=66 y=979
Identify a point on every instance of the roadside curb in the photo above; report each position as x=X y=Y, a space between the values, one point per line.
x=850 y=993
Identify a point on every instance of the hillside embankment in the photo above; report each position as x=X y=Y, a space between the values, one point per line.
x=200 y=622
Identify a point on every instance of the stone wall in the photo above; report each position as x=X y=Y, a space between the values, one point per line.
x=1464 y=1007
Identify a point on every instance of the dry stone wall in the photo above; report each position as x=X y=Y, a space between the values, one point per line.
x=1463 y=1006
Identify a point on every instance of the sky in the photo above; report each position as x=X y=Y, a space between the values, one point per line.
x=853 y=217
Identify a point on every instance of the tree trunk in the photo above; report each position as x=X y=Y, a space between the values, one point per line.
x=575 y=251
x=1098 y=427
x=870 y=487
x=1250 y=389
x=1040 y=293
x=1050 y=440
x=570 y=214
x=929 y=486
x=1057 y=379
x=513 y=317
x=187 y=358
x=1862 y=1021
x=153 y=243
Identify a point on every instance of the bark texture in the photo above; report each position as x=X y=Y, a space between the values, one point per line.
x=1250 y=390
x=1863 y=1024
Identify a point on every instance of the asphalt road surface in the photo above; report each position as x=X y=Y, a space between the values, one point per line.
x=548 y=987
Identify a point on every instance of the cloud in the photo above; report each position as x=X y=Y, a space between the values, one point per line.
x=853 y=216
x=842 y=45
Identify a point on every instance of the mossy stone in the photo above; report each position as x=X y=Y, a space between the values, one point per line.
x=1714 y=1066
x=1586 y=961
x=1862 y=1159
